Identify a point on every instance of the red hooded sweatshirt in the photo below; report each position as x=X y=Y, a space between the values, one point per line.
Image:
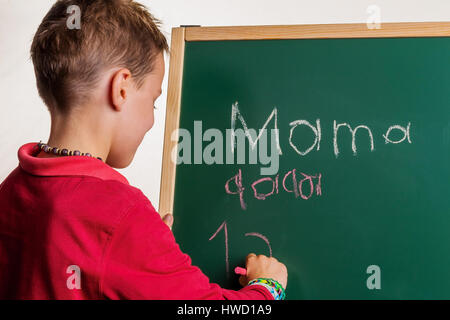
x=73 y=228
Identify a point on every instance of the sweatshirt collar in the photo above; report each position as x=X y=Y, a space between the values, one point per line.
x=65 y=166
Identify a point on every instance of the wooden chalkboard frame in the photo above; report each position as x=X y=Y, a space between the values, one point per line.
x=182 y=35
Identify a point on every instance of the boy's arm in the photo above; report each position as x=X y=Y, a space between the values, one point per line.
x=143 y=261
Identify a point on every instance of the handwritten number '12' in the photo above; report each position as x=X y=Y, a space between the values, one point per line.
x=249 y=234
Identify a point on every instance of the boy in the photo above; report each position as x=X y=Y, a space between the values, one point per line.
x=71 y=227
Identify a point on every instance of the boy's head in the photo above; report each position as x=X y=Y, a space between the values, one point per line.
x=112 y=63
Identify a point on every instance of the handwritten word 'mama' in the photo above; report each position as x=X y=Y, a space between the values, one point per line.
x=317 y=131
x=298 y=183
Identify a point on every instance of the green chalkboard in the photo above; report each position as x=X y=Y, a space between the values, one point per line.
x=387 y=207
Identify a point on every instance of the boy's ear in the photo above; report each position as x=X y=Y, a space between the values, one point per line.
x=120 y=86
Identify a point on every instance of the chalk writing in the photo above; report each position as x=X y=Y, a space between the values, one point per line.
x=259 y=235
x=353 y=132
x=405 y=132
x=262 y=196
x=317 y=131
x=249 y=234
x=300 y=184
x=239 y=188
x=236 y=114
x=227 y=261
x=264 y=144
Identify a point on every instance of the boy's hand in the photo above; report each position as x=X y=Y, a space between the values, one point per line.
x=168 y=220
x=264 y=267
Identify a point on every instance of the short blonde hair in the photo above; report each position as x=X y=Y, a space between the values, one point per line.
x=112 y=33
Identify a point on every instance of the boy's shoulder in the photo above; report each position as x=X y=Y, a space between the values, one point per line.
x=68 y=187
x=107 y=204
x=109 y=193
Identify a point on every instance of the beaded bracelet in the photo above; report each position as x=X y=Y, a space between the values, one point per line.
x=275 y=288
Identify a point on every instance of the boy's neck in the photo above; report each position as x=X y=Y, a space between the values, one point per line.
x=78 y=132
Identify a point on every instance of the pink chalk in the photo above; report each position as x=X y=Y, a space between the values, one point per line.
x=240 y=271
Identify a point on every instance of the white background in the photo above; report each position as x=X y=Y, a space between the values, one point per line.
x=24 y=118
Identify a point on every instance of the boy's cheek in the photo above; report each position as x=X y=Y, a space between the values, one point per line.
x=142 y=113
x=147 y=116
x=143 y=120
x=151 y=121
